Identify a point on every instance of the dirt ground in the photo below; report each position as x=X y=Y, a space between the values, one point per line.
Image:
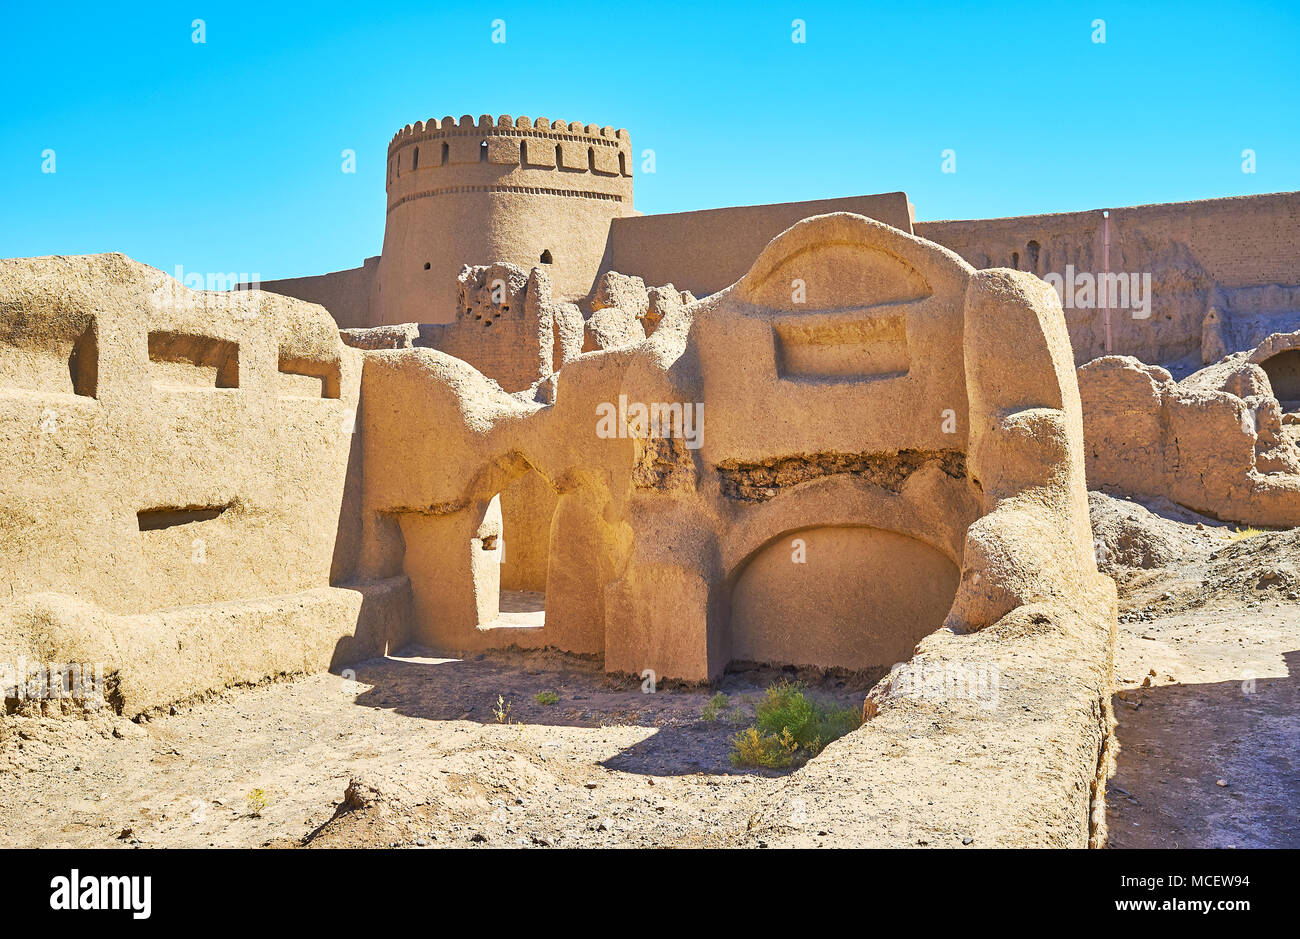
x=1207 y=660
x=421 y=751
x=606 y=765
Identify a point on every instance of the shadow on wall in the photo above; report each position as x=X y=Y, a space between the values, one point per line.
x=347 y=529
x=527 y=507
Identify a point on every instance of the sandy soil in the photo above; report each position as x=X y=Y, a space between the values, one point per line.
x=606 y=765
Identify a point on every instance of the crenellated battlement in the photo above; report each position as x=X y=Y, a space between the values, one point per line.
x=508 y=154
x=505 y=126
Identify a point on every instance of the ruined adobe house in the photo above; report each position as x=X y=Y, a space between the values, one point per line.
x=204 y=489
x=821 y=421
x=178 y=476
x=1177 y=285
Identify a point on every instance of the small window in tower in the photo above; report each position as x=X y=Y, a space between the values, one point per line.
x=559 y=157
x=546 y=257
x=426 y=265
x=591 y=159
x=622 y=163
x=445 y=150
x=415 y=159
x=482 y=151
x=523 y=153
x=398 y=171
x=1015 y=259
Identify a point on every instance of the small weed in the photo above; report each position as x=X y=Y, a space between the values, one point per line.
x=546 y=697
x=257 y=801
x=1241 y=534
x=502 y=710
x=790 y=728
x=713 y=710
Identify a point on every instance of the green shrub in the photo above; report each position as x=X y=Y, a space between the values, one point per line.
x=790 y=728
x=546 y=697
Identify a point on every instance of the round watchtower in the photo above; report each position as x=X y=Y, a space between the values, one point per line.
x=524 y=191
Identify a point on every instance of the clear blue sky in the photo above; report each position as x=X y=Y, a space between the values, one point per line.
x=225 y=156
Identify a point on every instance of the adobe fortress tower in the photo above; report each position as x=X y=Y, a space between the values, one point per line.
x=510 y=190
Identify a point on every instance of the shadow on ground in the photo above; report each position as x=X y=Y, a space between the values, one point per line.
x=1183 y=738
x=501 y=688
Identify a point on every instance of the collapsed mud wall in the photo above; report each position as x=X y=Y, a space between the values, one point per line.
x=179 y=481
x=946 y=478
x=1214 y=442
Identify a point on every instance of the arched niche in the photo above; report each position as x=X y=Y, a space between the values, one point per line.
x=847 y=596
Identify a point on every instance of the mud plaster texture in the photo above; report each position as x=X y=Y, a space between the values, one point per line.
x=1219 y=442
x=906 y=415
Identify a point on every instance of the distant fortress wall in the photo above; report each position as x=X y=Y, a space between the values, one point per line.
x=1241 y=241
x=705 y=251
x=346 y=294
x=1239 y=256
